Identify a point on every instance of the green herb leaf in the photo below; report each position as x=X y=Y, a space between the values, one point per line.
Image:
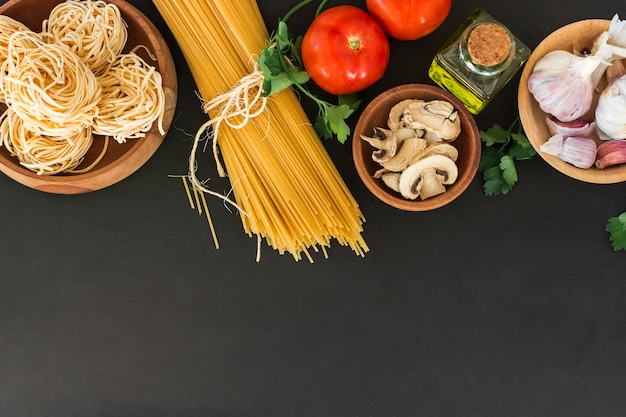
x=495 y=134
x=335 y=121
x=494 y=182
x=489 y=158
x=616 y=226
x=522 y=140
x=520 y=152
x=509 y=172
x=502 y=147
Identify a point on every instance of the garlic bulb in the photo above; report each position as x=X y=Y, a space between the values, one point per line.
x=563 y=83
x=611 y=109
x=578 y=151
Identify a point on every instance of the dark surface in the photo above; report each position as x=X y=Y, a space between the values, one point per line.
x=116 y=303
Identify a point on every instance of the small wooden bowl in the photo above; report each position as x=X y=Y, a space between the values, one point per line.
x=120 y=160
x=376 y=115
x=573 y=37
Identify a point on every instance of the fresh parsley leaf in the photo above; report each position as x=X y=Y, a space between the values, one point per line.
x=521 y=140
x=335 y=121
x=502 y=147
x=509 y=173
x=495 y=134
x=520 y=153
x=494 y=182
x=489 y=158
x=616 y=227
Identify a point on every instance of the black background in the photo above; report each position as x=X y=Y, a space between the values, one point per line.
x=116 y=303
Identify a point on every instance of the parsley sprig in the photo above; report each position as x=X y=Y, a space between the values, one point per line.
x=616 y=227
x=282 y=67
x=502 y=147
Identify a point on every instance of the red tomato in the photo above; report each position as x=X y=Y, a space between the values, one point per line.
x=345 y=50
x=408 y=20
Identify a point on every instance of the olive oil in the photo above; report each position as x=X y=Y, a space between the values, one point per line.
x=478 y=60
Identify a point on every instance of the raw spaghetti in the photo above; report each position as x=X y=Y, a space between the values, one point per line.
x=283 y=180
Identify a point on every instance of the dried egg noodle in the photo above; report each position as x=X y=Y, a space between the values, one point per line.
x=44 y=154
x=59 y=92
x=49 y=87
x=131 y=99
x=281 y=175
x=93 y=30
x=8 y=26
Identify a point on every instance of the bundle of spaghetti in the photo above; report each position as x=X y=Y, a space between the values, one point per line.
x=93 y=30
x=44 y=154
x=282 y=178
x=48 y=86
x=131 y=99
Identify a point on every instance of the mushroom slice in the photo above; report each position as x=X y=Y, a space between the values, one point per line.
x=379 y=173
x=392 y=180
x=431 y=136
x=438 y=116
x=382 y=139
x=406 y=133
x=440 y=148
x=431 y=184
x=408 y=150
x=397 y=112
x=432 y=172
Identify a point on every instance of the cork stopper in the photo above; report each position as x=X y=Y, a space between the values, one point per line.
x=489 y=44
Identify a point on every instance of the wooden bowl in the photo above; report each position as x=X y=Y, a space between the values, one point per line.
x=120 y=160
x=573 y=37
x=376 y=115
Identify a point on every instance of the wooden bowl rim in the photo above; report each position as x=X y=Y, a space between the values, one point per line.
x=470 y=134
x=529 y=110
x=138 y=152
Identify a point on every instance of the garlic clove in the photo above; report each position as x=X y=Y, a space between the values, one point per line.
x=611 y=152
x=577 y=127
x=578 y=151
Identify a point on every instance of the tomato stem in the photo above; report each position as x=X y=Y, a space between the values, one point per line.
x=320 y=7
x=295 y=9
x=301 y=5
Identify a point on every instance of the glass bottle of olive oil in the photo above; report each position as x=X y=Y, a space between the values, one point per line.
x=478 y=60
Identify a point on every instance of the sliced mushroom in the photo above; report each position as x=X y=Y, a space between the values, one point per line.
x=397 y=112
x=406 y=133
x=427 y=177
x=440 y=148
x=438 y=116
x=408 y=150
x=392 y=180
x=431 y=136
x=432 y=184
x=382 y=139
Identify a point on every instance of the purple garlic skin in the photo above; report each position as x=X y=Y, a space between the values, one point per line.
x=578 y=151
x=577 y=128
